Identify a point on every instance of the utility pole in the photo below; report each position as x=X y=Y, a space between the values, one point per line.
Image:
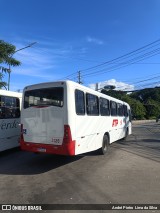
x=96 y=87
x=79 y=78
x=9 y=74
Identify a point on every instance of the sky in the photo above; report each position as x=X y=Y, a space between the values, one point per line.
x=85 y=36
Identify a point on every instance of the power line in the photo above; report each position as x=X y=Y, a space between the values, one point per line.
x=143 y=78
x=124 y=64
x=153 y=84
x=121 y=61
x=143 y=86
x=9 y=73
x=146 y=80
x=120 y=57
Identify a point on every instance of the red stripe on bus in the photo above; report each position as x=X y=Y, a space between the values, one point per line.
x=64 y=149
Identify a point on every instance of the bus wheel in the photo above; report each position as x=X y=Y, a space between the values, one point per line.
x=105 y=145
x=126 y=134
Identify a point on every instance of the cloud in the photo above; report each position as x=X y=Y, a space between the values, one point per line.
x=40 y=60
x=118 y=84
x=33 y=72
x=46 y=60
x=33 y=63
x=94 y=40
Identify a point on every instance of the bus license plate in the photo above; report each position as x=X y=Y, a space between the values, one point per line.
x=41 y=150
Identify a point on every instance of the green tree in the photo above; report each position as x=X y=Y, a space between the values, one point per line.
x=114 y=93
x=145 y=94
x=138 y=109
x=152 y=108
x=6 y=58
x=150 y=98
x=2 y=83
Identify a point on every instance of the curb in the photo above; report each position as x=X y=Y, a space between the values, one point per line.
x=142 y=121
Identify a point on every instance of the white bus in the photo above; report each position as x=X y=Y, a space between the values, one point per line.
x=10 y=105
x=67 y=118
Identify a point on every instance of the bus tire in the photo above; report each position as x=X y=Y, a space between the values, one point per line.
x=126 y=135
x=105 y=145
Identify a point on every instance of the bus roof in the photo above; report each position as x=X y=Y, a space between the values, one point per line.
x=10 y=93
x=72 y=83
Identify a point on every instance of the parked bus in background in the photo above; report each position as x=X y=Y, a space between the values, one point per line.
x=67 y=118
x=10 y=105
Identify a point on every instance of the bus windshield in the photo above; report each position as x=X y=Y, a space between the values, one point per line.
x=44 y=97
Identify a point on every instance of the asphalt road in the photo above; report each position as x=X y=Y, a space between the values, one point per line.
x=128 y=174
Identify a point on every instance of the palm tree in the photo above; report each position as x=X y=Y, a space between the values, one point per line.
x=6 y=57
x=2 y=83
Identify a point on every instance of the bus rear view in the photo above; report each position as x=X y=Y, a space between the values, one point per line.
x=67 y=118
x=44 y=120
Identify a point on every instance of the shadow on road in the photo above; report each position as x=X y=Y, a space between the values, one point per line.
x=146 y=148
x=140 y=141
x=17 y=162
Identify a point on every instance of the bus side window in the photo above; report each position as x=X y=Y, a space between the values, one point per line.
x=130 y=115
x=113 y=108
x=9 y=107
x=92 y=103
x=18 y=112
x=79 y=102
x=125 y=111
x=1 y=108
x=104 y=107
x=120 y=110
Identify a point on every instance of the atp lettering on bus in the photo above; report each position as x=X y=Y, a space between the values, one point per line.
x=115 y=122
